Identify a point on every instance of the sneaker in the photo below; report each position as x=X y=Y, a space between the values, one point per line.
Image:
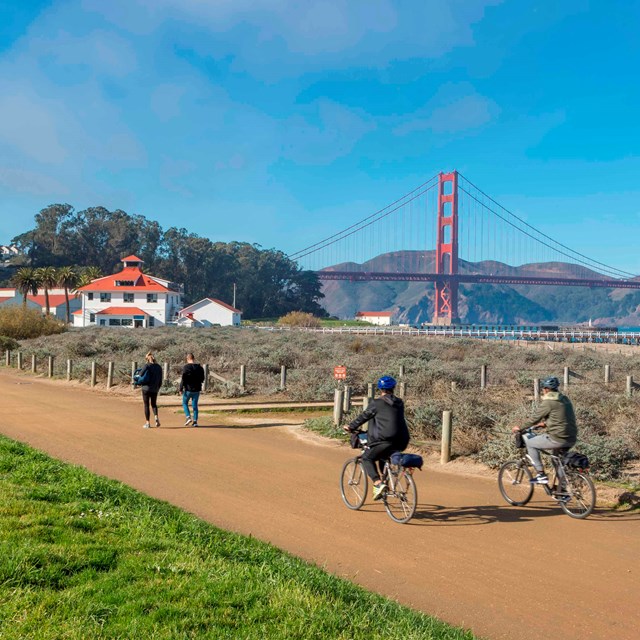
x=378 y=490
x=562 y=497
x=157 y=421
x=146 y=425
x=187 y=422
x=195 y=424
x=541 y=478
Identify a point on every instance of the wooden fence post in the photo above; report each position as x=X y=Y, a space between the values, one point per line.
x=401 y=372
x=566 y=376
x=205 y=382
x=629 y=390
x=483 y=376
x=283 y=378
x=19 y=360
x=50 y=367
x=607 y=373
x=109 y=375
x=402 y=390
x=370 y=393
x=134 y=366
x=7 y=358
x=536 y=389
x=69 y=370
x=445 y=449
x=337 y=406
x=346 y=400
x=243 y=376
x=93 y=373
x=33 y=363
x=165 y=373
x=454 y=385
x=365 y=402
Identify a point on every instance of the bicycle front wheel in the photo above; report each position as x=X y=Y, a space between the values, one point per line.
x=580 y=497
x=401 y=500
x=353 y=483
x=514 y=480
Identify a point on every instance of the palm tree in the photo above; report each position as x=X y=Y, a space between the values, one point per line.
x=48 y=279
x=87 y=275
x=27 y=282
x=67 y=277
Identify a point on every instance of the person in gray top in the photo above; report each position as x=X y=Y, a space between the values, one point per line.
x=556 y=412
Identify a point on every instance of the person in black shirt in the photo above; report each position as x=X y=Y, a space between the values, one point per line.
x=387 y=433
x=149 y=379
x=190 y=388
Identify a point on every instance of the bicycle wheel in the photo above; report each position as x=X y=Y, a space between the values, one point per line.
x=581 y=495
x=353 y=483
x=401 y=502
x=514 y=480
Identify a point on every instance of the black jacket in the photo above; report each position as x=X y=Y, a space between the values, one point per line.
x=151 y=377
x=192 y=377
x=387 y=421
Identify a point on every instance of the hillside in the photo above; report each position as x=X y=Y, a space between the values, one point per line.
x=413 y=301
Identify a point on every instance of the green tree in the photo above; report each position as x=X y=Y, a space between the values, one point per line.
x=67 y=278
x=48 y=279
x=87 y=275
x=26 y=281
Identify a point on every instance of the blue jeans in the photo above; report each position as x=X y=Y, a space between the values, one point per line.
x=193 y=396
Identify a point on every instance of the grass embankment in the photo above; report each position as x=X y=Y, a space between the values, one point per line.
x=82 y=556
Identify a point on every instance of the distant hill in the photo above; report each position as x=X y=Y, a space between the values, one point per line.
x=479 y=303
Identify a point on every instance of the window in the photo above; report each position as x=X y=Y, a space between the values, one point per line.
x=124 y=283
x=127 y=297
x=152 y=297
x=105 y=297
x=152 y=321
x=127 y=322
x=92 y=317
x=114 y=322
x=90 y=295
x=103 y=322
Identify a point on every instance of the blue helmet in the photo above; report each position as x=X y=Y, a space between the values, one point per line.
x=386 y=382
x=551 y=383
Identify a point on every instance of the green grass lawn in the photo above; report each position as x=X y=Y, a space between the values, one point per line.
x=82 y=556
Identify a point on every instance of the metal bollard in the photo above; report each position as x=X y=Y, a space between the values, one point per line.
x=445 y=449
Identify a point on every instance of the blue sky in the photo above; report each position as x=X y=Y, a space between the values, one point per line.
x=279 y=122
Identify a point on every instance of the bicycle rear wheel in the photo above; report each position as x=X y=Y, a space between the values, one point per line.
x=581 y=495
x=353 y=483
x=401 y=503
x=514 y=480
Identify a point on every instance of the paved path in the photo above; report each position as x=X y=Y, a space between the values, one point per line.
x=505 y=572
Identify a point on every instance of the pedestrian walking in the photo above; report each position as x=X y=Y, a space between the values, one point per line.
x=190 y=388
x=149 y=379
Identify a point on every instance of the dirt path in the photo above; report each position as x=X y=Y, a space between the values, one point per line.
x=467 y=558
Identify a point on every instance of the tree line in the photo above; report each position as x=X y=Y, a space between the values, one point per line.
x=268 y=283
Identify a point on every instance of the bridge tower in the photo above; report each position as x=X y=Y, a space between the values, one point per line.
x=446 y=289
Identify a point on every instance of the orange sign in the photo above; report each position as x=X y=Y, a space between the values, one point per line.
x=340 y=373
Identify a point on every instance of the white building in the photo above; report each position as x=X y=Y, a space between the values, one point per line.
x=382 y=318
x=210 y=312
x=129 y=298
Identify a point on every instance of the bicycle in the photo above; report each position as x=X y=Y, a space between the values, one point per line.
x=571 y=488
x=400 y=498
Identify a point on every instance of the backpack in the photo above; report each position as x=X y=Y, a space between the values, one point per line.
x=575 y=460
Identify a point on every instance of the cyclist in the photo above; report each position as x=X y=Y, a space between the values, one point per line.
x=388 y=431
x=555 y=411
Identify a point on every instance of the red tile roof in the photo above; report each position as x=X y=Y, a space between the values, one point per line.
x=375 y=314
x=141 y=282
x=54 y=300
x=76 y=312
x=122 y=311
x=132 y=258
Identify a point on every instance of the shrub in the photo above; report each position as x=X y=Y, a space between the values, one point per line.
x=8 y=344
x=299 y=319
x=607 y=455
x=21 y=324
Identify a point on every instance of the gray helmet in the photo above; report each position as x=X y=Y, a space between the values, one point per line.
x=551 y=383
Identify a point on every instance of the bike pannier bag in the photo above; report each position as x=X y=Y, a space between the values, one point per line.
x=576 y=460
x=411 y=460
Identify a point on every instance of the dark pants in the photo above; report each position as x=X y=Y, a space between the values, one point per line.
x=377 y=452
x=150 y=397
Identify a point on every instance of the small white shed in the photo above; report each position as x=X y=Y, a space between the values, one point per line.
x=209 y=312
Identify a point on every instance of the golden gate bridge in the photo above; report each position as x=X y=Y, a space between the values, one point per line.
x=448 y=231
